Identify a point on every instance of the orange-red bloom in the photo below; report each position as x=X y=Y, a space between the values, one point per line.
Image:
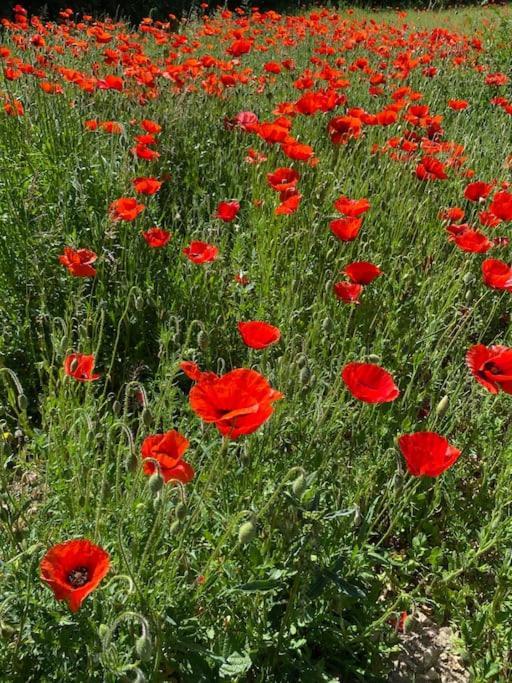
x=348 y=292
x=491 y=366
x=125 y=209
x=74 y=569
x=427 y=454
x=227 y=211
x=347 y=228
x=237 y=403
x=258 y=335
x=168 y=450
x=79 y=261
x=369 y=382
x=147 y=186
x=80 y=366
x=497 y=274
x=156 y=237
x=362 y=272
x=201 y=252
x=351 y=207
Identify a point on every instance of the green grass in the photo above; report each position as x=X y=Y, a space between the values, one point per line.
x=311 y=597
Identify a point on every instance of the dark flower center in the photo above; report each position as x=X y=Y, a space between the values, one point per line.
x=78 y=577
x=492 y=368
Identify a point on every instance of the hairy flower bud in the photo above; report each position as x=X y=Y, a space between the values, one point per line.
x=246 y=532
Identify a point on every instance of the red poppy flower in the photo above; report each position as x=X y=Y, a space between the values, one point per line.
x=258 y=335
x=342 y=128
x=283 y=179
x=458 y=105
x=491 y=366
x=79 y=261
x=347 y=228
x=239 y=47
x=147 y=186
x=167 y=449
x=151 y=127
x=351 y=207
x=237 y=403
x=194 y=373
x=74 y=569
x=472 y=241
x=201 y=252
x=477 y=190
x=80 y=366
x=227 y=211
x=362 y=272
x=348 y=292
x=156 y=237
x=488 y=219
x=454 y=214
x=125 y=209
x=290 y=202
x=497 y=274
x=431 y=168
x=370 y=383
x=243 y=120
x=427 y=454
x=142 y=151
x=501 y=206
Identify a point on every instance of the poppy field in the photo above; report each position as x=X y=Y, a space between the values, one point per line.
x=255 y=350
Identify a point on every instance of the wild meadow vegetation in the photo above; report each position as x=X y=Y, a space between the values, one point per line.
x=255 y=372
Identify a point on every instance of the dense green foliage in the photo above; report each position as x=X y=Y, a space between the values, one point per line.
x=333 y=559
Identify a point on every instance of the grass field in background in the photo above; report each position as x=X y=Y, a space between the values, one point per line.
x=289 y=531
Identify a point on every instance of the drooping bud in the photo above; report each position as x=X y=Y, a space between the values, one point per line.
x=373 y=358
x=155 y=483
x=202 y=340
x=468 y=278
x=326 y=325
x=131 y=462
x=246 y=532
x=299 y=485
x=22 y=402
x=147 y=417
x=139 y=303
x=442 y=406
x=175 y=527
x=117 y=408
x=181 y=511
x=305 y=375
x=143 y=646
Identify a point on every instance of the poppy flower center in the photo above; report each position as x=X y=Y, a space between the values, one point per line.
x=78 y=577
x=492 y=368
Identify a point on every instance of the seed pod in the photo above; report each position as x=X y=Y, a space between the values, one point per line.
x=442 y=406
x=305 y=375
x=202 y=340
x=144 y=647
x=181 y=511
x=22 y=402
x=175 y=527
x=299 y=485
x=155 y=483
x=246 y=532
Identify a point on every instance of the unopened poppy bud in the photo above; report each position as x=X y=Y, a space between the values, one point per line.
x=143 y=647
x=102 y=630
x=442 y=406
x=139 y=303
x=202 y=340
x=246 y=532
x=22 y=402
x=131 y=462
x=175 y=527
x=18 y=434
x=305 y=375
x=301 y=360
x=73 y=365
x=6 y=631
x=117 y=408
x=469 y=295
x=373 y=358
x=299 y=485
x=357 y=517
x=147 y=417
x=468 y=278
x=181 y=511
x=326 y=324
x=155 y=483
